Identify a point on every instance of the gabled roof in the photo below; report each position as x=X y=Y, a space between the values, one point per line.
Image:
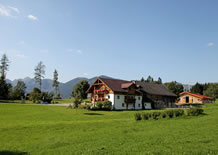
x=114 y=84
x=126 y=85
x=155 y=89
x=196 y=95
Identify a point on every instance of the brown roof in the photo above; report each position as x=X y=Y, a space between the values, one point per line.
x=114 y=84
x=126 y=85
x=155 y=89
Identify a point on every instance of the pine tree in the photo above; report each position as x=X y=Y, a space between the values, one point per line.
x=159 y=80
x=4 y=87
x=142 y=79
x=4 y=66
x=39 y=74
x=55 y=82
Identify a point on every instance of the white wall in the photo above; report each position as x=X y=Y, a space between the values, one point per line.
x=110 y=99
x=119 y=103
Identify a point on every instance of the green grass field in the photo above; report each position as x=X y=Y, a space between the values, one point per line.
x=43 y=129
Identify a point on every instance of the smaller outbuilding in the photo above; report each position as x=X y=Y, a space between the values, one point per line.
x=187 y=97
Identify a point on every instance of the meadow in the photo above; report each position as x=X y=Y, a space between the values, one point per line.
x=44 y=129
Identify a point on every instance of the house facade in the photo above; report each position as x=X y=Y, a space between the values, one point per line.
x=124 y=95
x=157 y=95
x=131 y=95
x=187 y=97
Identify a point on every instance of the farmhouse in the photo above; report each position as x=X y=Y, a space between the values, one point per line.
x=122 y=94
x=130 y=95
x=158 y=95
x=187 y=97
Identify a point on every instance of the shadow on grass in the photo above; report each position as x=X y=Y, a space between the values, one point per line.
x=13 y=153
x=92 y=114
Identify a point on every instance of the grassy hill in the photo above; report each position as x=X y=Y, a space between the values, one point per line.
x=43 y=129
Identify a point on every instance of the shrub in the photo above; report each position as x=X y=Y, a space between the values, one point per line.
x=170 y=113
x=138 y=116
x=107 y=105
x=195 y=111
x=77 y=102
x=178 y=112
x=99 y=105
x=156 y=115
x=164 y=114
x=146 y=116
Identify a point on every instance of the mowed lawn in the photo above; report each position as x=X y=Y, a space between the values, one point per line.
x=44 y=129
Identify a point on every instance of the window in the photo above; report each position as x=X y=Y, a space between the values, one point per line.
x=123 y=104
x=139 y=105
x=108 y=97
x=118 y=97
x=139 y=98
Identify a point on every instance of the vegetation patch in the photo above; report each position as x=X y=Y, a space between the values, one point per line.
x=169 y=113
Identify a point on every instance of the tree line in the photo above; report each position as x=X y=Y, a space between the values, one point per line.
x=7 y=91
x=207 y=89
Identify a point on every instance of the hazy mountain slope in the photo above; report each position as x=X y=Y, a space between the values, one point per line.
x=65 y=88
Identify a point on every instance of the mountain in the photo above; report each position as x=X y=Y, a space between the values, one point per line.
x=65 y=88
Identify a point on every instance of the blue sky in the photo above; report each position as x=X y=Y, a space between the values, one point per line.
x=174 y=40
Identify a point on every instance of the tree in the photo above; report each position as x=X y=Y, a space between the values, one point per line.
x=149 y=79
x=142 y=79
x=159 y=80
x=55 y=82
x=212 y=90
x=197 y=88
x=4 y=87
x=4 y=66
x=79 y=90
x=175 y=87
x=35 y=95
x=39 y=74
x=19 y=90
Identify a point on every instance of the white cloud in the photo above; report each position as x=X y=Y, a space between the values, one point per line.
x=210 y=44
x=85 y=74
x=31 y=17
x=14 y=9
x=21 y=56
x=4 y=11
x=8 y=11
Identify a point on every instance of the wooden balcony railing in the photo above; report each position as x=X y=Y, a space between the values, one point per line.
x=100 y=91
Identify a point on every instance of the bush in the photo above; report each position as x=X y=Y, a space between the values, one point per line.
x=99 y=105
x=156 y=115
x=107 y=105
x=178 y=112
x=164 y=114
x=195 y=111
x=170 y=113
x=138 y=116
x=146 y=116
x=77 y=102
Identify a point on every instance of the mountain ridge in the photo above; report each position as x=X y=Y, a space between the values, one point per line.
x=64 y=87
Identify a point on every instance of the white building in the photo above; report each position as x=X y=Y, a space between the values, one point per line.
x=124 y=95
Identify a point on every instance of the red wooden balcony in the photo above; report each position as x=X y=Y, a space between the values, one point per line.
x=100 y=91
